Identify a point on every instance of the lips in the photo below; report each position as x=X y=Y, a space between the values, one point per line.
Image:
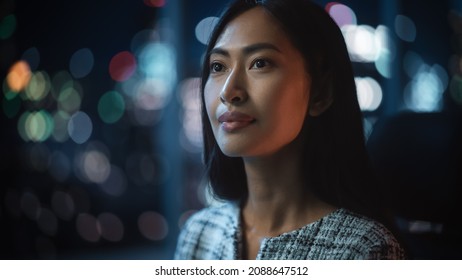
x=232 y=121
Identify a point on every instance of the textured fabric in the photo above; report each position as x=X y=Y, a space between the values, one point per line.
x=214 y=233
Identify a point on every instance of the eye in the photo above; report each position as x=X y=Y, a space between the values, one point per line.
x=260 y=63
x=216 y=67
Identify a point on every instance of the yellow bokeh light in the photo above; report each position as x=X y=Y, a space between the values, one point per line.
x=19 y=76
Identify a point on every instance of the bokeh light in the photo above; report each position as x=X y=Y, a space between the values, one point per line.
x=69 y=100
x=342 y=14
x=204 y=29
x=61 y=81
x=80 y=127
x=425 y=91
x=142 y=117
x=405 y=28
x=88 y=227
x=366 y=44
x=35 y=126
x=61 y=121
x=361 y=42
x=93 y=148
x=7 y=26
x=7 y=92
x=116 y=182
x=81 y=63
x=18 y=76
x=22 y=126
x=96 y=166
x=369 y=93
x=189 y=95
x=111 y=107
x=151 y=94
x=153 y=225
x=157 y=61
x=92 y=163
x=122 y=66
x=386 y=52
x=38 y=126
x=155 y=3
x=142 y=37
x=111 y=227
x=39 y=86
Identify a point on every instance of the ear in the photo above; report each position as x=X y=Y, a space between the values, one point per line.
x=319 y=106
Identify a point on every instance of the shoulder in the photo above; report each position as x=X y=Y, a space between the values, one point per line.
x=214 y=217
x=361 y=237
x=207 y=230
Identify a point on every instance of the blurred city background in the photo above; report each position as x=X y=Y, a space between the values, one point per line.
x=100 y=147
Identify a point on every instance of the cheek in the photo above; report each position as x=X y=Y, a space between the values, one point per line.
x=288 y=100
x=289 y=107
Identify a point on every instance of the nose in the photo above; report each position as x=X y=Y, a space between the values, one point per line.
x=234 y=90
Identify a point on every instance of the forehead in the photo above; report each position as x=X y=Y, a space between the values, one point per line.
x=250 y=27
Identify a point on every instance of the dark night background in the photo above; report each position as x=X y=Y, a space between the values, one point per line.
x=105 y=163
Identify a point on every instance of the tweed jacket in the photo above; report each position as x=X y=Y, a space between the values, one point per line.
x=214 y=233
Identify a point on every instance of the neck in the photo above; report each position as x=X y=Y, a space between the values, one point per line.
x=278 y=200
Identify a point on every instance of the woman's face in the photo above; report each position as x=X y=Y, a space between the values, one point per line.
x=257 y=93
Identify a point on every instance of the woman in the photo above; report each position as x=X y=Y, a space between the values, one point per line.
x=284 y=144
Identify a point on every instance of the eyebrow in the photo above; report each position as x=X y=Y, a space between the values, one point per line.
x=247 y=50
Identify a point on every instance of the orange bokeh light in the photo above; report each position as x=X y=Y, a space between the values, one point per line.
x=18 y=76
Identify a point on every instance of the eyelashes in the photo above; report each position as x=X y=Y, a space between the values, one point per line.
x=216 y=67
x=259 y=63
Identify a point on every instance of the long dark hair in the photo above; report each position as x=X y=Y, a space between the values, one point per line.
x=335 y=161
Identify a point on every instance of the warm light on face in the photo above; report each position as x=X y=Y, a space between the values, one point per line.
x=254 y=62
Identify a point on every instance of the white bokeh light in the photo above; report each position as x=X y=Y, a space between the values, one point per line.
x=369 y=93
x=204 y=28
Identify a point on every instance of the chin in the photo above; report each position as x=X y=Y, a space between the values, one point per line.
x=232 y=152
